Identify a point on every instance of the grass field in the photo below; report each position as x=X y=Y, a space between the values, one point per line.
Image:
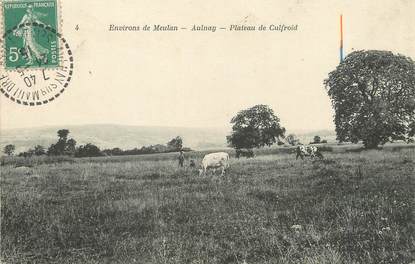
x=351 y=207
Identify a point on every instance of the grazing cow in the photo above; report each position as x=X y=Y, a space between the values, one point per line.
x=219 y=160
x=248 y=153
x=304 y=151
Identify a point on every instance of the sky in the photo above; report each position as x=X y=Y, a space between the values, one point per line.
x=202 y=79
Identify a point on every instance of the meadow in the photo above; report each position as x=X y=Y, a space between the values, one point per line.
x=351 y=207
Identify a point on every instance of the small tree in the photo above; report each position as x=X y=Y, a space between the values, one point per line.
x=63 y=134
x=372 y=93
x=52 y=150
x=39 y=150
x=317 y=139
x=62 y=139
x=113 y=152
x=88 y=150
x=63 y=146
x=255 y=127
x=292 y=140
x=175 y=144
x=27 y=154
x=116 y=151
x=9 y=149
x=70 y=147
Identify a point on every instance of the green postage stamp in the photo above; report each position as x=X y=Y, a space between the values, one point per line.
x=30 y=33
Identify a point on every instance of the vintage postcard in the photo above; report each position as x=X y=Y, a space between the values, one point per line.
x=207 y=131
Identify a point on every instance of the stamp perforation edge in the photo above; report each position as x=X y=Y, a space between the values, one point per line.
x=59 y=29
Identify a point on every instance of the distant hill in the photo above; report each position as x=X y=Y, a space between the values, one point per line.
x=111 y=136
x=128 y=137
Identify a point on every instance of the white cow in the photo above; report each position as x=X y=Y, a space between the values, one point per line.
x=215 y=161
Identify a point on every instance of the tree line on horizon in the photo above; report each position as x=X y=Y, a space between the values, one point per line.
x=67 y=147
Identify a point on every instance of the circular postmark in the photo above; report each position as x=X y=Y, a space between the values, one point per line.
x=32 y=74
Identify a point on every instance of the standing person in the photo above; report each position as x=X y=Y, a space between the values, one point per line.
x=32 y=49
x=181 y=159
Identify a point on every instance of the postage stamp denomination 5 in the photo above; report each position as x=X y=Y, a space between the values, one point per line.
x=27 y=44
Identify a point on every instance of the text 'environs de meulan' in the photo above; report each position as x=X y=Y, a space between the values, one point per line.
x=207 y=28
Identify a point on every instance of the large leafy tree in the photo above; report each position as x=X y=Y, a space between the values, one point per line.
x=255 y=127
x=373 y=95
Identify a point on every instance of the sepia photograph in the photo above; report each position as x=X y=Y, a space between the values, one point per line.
x=207 y=132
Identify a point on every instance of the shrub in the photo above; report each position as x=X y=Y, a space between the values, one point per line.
x=88 y=150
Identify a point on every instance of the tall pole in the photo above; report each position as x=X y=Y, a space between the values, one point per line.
x=341 y=38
